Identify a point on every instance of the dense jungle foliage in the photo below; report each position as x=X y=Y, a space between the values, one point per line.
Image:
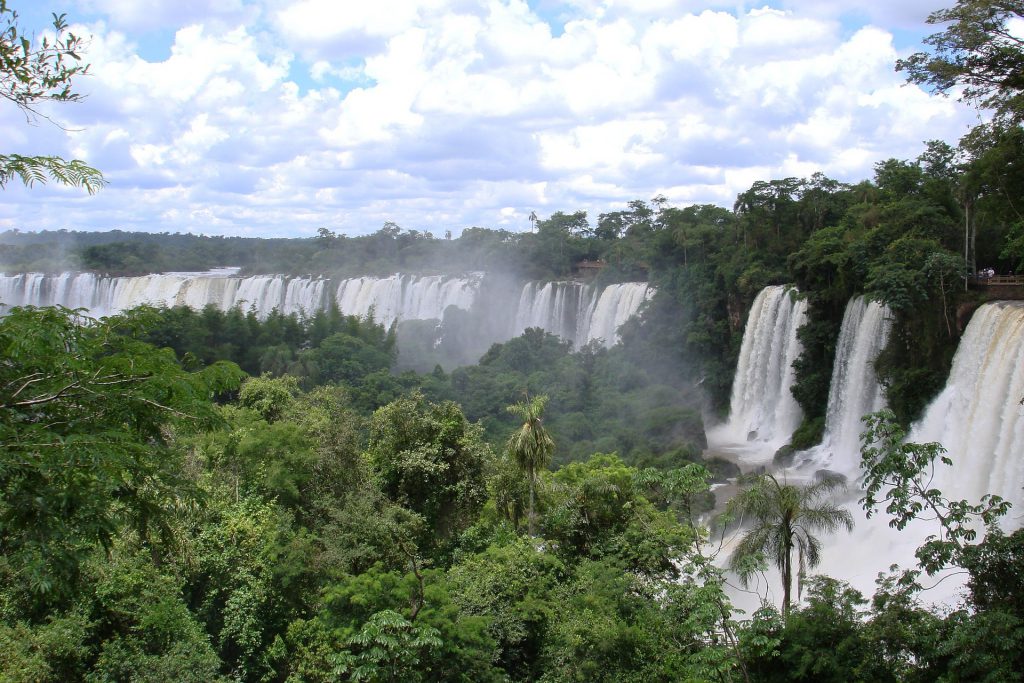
x=207 y=496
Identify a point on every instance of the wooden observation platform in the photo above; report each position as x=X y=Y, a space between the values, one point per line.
x=588 y=269
x=999 y=286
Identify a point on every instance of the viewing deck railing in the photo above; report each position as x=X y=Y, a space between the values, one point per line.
x=998 y=281
x=999 y=286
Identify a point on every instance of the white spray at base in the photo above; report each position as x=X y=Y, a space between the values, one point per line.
x=763 y=411
x=978 y=418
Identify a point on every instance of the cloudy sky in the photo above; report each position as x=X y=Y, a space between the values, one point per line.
x=275 y=118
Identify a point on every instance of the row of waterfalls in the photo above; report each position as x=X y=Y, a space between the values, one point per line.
x=978 y=417
x=577 y=312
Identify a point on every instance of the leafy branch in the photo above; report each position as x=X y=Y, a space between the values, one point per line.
x=33 y=71
x=40 y=169
x=899 y=474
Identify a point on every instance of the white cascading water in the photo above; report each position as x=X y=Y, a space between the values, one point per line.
x=574 y=311
x=552 y=306
x=978 y=417
x=399 y=296
x=579 y=313
x=762 y=408
x=617 y=304
x=404 y=297
x=854 y=390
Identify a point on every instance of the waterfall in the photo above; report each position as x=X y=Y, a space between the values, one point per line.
x=579 y=313
x=616 y=305
x=854 y=390
x=392 y=298
x=405 y=297
x=978 y=417
x=762 y=407
x=557 y=307
x=574 y=311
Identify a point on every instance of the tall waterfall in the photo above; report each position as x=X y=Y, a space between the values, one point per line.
x=854 y=390
x=579 y=313
x=558 y=307
x=615 y=305
x=978 y=417
x=762 y=407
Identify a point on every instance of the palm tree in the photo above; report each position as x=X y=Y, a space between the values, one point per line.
x=783 y=516
x=531 y=446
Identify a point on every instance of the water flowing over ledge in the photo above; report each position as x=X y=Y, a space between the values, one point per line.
x=978 y=417
x=577 y=312
x=762 y=409
x=854 y=390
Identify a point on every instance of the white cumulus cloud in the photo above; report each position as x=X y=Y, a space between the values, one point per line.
x=260 y=118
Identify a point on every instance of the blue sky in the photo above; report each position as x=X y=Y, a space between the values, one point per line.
x=251 y=117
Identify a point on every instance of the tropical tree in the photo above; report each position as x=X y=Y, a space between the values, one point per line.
x=978 y=55
x=33 y=72
x=783 y=518
x=531 y=446
x=86 y=415
x=430 y=459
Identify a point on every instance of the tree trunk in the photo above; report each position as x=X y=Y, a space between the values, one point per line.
x=530 y=520
x=787 y=580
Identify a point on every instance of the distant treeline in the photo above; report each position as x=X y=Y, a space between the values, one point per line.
x=559 y=243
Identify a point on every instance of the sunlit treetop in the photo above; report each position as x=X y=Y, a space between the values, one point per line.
x=980 y=50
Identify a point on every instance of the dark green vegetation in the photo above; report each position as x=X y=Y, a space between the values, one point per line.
x=160 y=523
x=164 y=518
x=149 y=533
x=599 y=400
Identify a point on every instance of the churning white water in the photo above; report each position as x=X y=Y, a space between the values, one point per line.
x=854 y=390
x=762 y=410
x=978 y=417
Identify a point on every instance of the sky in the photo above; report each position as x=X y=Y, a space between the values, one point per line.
x=275 y=118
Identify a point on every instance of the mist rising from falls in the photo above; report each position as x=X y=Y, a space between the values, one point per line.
x=854 y=390
x=762 y=408
x=978 y=417
x=574 y=311
x=578 y=312
x=405 y=297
